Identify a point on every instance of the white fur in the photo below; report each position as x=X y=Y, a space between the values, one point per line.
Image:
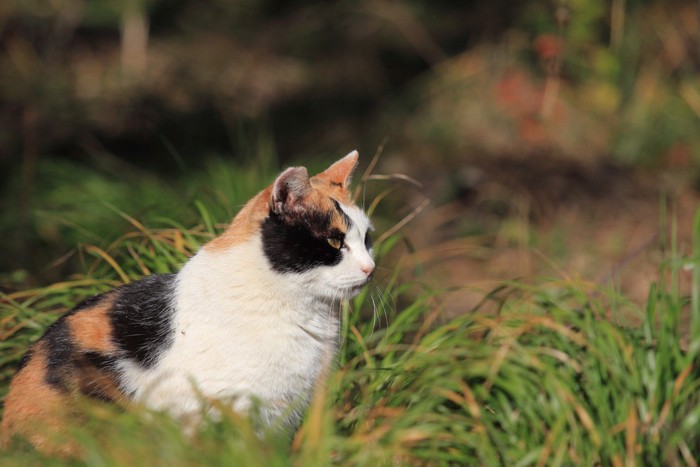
x=246 y=333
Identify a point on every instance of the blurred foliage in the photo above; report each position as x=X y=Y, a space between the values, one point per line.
x=76 y=205
x=123 y=103
x=577 y=79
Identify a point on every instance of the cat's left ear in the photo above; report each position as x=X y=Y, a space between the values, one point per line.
x=289 y=190
x=340 y=173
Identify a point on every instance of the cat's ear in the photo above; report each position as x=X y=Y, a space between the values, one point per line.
x=289 y=189
x=340 y=173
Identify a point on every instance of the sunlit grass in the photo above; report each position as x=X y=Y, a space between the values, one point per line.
x=537 y=375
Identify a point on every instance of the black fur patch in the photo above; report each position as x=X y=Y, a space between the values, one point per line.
x=100 y=361
x=346 y=218
x=302 y=245
x=60 y=348
x=59 y=353
x=142 y=318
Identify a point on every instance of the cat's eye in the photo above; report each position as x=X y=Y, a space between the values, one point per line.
x=368 y=241
x=335 y=242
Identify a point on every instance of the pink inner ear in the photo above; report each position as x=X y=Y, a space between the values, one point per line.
x=292 y=185
x=340 y=173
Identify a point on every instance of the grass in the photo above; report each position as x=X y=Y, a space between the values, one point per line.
x=545 y=374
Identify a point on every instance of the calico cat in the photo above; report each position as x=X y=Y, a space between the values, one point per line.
x=252 y=318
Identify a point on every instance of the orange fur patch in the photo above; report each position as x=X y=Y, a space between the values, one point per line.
x=321 y=198
x=34 y=409
x=91 y=328
x=330 y=191
x=340 y=173
x=245 y=224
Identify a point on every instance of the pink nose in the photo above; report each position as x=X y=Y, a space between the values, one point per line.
x=367 y=269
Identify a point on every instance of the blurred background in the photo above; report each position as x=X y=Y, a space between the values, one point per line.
x=557 y=138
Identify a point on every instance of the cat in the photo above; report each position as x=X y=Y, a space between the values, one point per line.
x=252 y=318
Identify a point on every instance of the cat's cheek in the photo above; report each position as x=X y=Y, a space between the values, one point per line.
x=343 y=282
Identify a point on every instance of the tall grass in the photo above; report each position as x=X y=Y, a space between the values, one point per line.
x=536 y=375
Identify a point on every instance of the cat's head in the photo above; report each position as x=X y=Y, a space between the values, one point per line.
x=316 y=232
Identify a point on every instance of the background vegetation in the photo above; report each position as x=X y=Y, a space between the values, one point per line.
x=540 y=302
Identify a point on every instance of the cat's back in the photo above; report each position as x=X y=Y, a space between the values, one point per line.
x=80 y=352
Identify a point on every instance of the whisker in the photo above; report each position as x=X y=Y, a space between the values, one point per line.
x=383 y=305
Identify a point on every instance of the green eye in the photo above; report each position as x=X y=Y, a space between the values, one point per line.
x=335 y=242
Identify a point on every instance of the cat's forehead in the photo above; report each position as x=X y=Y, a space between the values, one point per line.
x=328 y=214
x=334 y=202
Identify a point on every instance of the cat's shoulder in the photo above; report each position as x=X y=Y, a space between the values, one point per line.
x=132 y=321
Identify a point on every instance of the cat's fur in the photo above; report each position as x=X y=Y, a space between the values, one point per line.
x=251 y=318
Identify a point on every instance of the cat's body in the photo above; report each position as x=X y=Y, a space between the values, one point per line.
x=251 y=318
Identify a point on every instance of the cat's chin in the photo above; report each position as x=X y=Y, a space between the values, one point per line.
x=344 y=292
x=353 y=290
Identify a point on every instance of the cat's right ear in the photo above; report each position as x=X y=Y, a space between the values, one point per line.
x=288 y=190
